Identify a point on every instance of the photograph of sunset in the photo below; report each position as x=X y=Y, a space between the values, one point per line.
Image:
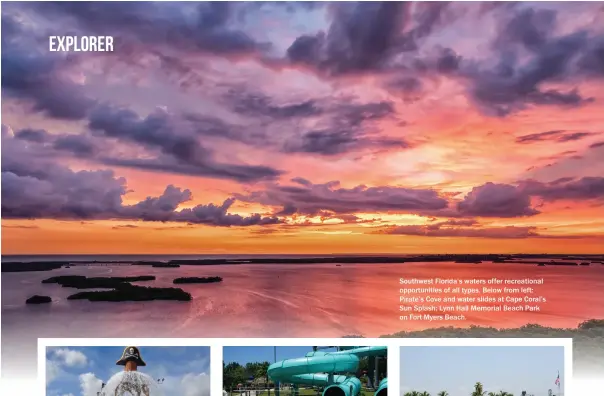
x=304 y=128
x=302 y=169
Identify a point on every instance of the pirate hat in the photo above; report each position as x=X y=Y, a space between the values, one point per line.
x=131 y=353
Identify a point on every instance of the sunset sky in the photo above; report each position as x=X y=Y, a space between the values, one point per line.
x=304 y=128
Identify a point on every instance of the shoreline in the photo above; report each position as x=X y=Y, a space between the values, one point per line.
x=526 y=259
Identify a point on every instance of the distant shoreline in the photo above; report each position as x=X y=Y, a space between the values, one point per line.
x=541 y=260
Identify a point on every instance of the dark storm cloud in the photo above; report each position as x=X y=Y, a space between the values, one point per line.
x=33 y=187
x=205 y=27
x=496 y=200
x=306 y=198
x=31 y=73
x=555 y=136
x=178 y=141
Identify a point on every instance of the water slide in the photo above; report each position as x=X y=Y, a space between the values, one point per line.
x=323 y=368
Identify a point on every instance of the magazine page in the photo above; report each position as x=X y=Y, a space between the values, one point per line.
x=302 y=198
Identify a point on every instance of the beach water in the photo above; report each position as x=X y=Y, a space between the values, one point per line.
x=257 y=300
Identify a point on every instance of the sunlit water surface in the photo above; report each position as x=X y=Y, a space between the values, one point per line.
x=254 y=300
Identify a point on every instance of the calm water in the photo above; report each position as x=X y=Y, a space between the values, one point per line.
x=256 y=300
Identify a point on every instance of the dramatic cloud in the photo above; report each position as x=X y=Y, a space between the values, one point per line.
x=496 y=200
x=98 y=195
x=366 y=37
x=339 y=126
x=360 y=38
x=31 y=73
x=404 y=103
x=556 y=136
x=514 y=85
x=38 y=188
x=348 y=130
x=307 y=198
x=203 y=27
x=177 y=140
x=585 y=188
x=257 y=104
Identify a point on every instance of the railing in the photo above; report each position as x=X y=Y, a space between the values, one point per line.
x=285 y=391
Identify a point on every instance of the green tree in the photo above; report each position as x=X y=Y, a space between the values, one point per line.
x=479 y=390
x=443 y=393
x=233 y=374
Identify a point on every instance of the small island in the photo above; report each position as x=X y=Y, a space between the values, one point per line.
x=82 y=282
x=211 y=279
x=127 y=292
x=33 y=266
x=38 y=300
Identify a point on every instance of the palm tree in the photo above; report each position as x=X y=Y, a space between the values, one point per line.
x=443 y=393
x=478 y=390
x=424 y=393
x=413 y=393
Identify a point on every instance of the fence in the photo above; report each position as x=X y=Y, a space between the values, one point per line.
x=286 y=391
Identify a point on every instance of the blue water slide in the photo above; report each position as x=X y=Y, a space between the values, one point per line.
x=383 y=388
x=322 y=368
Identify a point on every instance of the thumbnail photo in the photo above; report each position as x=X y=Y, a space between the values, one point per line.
x=127 y=371
x=482 y=371
x=305 y=371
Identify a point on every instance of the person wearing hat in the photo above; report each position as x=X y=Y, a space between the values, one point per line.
x=131 y=359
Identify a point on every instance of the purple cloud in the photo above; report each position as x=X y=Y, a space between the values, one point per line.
x=304 y=197
x=585 y=188
x=31 y=73
x=37 y=187
x=497 y=200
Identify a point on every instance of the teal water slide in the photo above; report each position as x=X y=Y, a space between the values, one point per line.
x=323 y=369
